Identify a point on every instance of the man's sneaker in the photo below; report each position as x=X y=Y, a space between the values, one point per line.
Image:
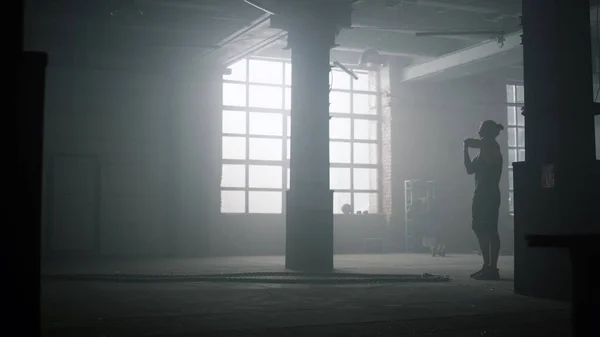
x=479 y=272
x=490 y=274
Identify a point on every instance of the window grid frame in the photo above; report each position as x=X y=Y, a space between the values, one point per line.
x=286 y=137
x=513 y=102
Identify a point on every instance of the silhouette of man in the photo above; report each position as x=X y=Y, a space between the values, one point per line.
x=487 y=167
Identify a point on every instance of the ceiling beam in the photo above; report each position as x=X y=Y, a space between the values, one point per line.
x=417 y=19
x=253 y=38
x=452 y=6
x=393 y=43
x=467 y=37
x=484 y=56
x=259 y=35
x=186 y=5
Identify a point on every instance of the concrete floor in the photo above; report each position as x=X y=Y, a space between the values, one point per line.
x=462 y=307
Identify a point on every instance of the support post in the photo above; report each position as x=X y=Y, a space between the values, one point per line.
x=554 y=186
x=309 y=202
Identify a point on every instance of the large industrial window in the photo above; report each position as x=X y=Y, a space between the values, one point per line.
x=256 y=138
x=516 y=133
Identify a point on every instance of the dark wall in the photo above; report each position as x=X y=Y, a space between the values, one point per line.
x=597 y=124
x=106 y=160
x=123 y=160
x=430 y=122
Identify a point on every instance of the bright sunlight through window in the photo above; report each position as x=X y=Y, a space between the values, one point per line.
x=256 y=138
x=515 y=99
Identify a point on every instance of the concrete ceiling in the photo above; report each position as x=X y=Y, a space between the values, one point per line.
x=180 y=28
x=391 y=26
x=166 y=33
x=154 y=33
x=499 y=59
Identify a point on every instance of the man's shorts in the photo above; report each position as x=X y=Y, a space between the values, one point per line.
x=485 y=212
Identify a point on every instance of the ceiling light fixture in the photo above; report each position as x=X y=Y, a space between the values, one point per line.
x=370 y=59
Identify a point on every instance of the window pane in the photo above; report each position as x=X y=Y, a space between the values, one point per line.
x=510 y=94
x=339 y=102
x=511 y=202
x=339 y=200
x=365 y=179
x=233 y=201
x=234 y=94
x=512 y=137
x=339 y=128
x=520 y=94
x=288 y=74
x=233 y=176
x=266 y=97
x=266 y=124
x=263 y=176
x=266 y=149
x=511 y=115
x=365 y=202
x=510 y=179
x=365 y=129
x=265 y=202
x=520 y=117
x=289 y=126
x=288 y=99
x=521 y=155
x=521 y=137
x=365 y=153
x=362 y=83
x=288 y=144
x=364 y=104
x=269 y=72
x=288 y=178
x=339 y=178
x=512 y=156
x=234 y=122
x=238 y=71
x=339 y=152
x=339 y=80
x=234 y=148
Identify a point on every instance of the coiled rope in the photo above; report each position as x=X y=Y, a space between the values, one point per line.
x=255 y=277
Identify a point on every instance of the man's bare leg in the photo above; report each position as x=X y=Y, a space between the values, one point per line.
x=491 y=272
x=484 y=246
x=494 y=250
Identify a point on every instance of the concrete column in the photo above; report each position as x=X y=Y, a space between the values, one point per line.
x=559 y=141
x=309 y=207
x=309 y=202
x=558 y=81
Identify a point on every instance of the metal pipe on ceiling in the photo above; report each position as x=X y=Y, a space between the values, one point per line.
x=460 y=32
x=260 y=6
x=451 y=6
x=414 y=32
x=182 y=5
